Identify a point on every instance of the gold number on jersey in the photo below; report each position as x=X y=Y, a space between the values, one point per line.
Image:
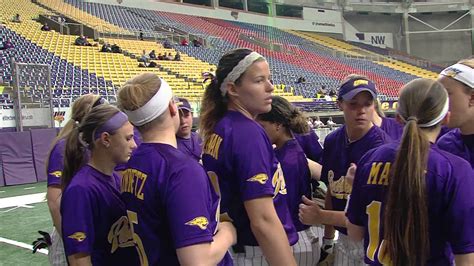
x=373 y=211
x=133 y=219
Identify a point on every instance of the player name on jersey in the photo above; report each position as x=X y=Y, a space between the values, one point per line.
x=133 y=182
x=212 y=146
x=379 y=173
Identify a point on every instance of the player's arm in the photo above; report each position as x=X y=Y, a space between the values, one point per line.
x=80 y=259
x=311 y=214
x=329 y=231
x=269 y=232
x=354 y=232
x=210 y=253
x=315 y=169
x=53 y=197
x=464 y=259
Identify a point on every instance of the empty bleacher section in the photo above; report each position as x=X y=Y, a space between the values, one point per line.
x=82 y=16
x=321 y=60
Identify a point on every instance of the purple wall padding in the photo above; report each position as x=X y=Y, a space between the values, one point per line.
x=17 y=158
x=41 y=143
x=2 y=179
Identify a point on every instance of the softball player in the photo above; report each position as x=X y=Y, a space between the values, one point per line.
x=171 y=205
x=239 y=155
x=412 y=202
x=54 y=168
x=94 y=224
x=280 y=123
x=342 y=147
x=459 y=81
x=189 y=142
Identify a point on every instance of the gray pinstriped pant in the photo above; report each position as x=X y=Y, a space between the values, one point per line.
x=306 y=251
x=56 y=254
x=348 y=252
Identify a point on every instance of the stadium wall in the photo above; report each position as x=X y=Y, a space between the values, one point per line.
x=439 y=47
x=318 y=20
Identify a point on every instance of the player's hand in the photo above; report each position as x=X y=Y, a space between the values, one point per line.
x=42 y=242
x=309 y=212
x=351 y=173
x=229 y=228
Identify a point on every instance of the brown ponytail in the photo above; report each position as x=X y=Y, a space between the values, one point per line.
x=213 y=108
x=406 y=223
x=74 y=156
x=284 y=113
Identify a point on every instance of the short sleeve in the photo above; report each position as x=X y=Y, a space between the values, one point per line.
x=188 y=204
x=77 y=221
x=313 y=150
x=55 y=164
x=460 y=212
x=253 y=164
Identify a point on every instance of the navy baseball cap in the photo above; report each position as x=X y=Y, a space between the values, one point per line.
x=352 y=87
x=184 y=105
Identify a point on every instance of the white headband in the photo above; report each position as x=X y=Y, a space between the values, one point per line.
x=156 y=106
x=461 y=73
x=239 y=69
x=438 y=119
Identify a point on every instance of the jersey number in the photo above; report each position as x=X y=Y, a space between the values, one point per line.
x=373 y=213
x=133 y=219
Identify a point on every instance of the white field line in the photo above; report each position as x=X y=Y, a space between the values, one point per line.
x=22 y=245
x=22 y=201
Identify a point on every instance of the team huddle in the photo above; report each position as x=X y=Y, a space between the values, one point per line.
x=133 y=185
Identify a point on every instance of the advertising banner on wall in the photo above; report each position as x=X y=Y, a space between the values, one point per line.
x=32 y=117
x=379 y=39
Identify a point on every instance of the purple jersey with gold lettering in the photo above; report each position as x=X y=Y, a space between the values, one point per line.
x=338 y=154
x=240 y=156
x=458 y=144
x=170 y=201
x=449 y=183
x=297 y=177
x=309 y=142
x=392 y=128
x=191 y=146
x=94 y=219
x=55 y=163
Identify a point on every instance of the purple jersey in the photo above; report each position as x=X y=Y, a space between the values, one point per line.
x=170 y=203
x=94 y=219
x=449 y=183
x=297 y=177
x=392 y=128
x=191 y=146
x=458 y=144
x=310 y=144
x=338 y=154
x=55 y=163
x=444 y=130
x=240 y=156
